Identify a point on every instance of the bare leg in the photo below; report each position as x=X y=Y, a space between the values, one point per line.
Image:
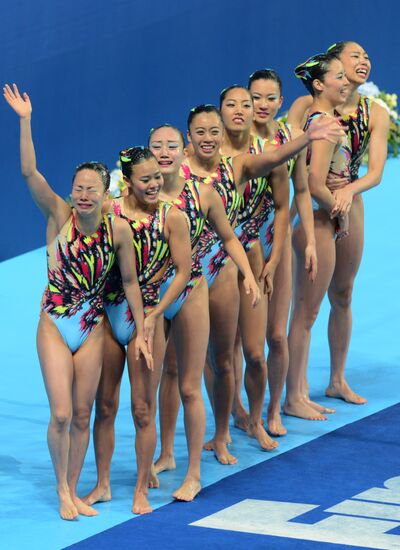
x=144 y=384
x=57 y=369
x=348 y=259
x=87 y=369
x=169 y=403
x=306 y=303
x=239 y=412
x=253 y=326
x=107 y=401
x=278 y=351
x=191 y=328
x=224 y=309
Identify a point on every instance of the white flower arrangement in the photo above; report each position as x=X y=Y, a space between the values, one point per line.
x=117 y=184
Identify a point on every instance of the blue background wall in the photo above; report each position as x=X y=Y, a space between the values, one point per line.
x=101 y=73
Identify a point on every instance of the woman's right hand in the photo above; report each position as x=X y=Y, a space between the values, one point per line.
x=21 y=105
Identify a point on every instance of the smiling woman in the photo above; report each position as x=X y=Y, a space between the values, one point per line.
x=82 y=245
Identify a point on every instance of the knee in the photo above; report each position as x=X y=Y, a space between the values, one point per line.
x=189 y=393
x=106 y=409
x=81 y=418
x=277 y=341
x=223 y=364
x=61 y=420
x=341 y=298
x=255 y=358
x=142 y=414
x=170 y=368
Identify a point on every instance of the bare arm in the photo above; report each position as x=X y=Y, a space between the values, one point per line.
x=303 y=201
x=279 y=181
x=298 y=111
x=177 y=233
x=49 y=202
x=214 y=211
x=321 y=156
x=377 y=154
x=247 y=166
x=127 y=266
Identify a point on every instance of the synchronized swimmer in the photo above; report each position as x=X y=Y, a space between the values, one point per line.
x=190 y=271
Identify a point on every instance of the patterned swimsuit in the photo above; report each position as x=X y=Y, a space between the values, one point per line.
x=188 y=202
x=152 y=256
x=283 y=135
x=210 y=251
x=77 y=267
x=252 y=209
x=358 y=134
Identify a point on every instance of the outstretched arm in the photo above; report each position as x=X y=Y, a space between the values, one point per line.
x=127 y=266
x=214 y=211
x=48 y=201
x=247 y=166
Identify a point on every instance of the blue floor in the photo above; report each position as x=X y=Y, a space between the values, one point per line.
x=29 y=518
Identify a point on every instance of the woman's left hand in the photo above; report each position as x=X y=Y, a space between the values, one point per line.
x=149 y=329
x=344 y=200
x=267 y=275
x=142 y=348
x=311 y=262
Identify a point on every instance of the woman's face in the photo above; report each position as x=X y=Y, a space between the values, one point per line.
x=356 y=63
x=335 y=86
x=267 y=100
x=237 y=110
x=146 y=181
x=88 y=192
x=166 y=145
x=205 y=134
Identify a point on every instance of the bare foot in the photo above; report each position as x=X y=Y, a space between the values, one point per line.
x=319 y=408
x=162 y=464
x=188 y=490
x=140 y=503
x=302 y=410
x=83 y=508
x=99 y=494
x=241 y=419
x=209 y=445
x=275 y=426
x=68 y=509
x=221 y=452
x=153 y=479
x=343 y=391
x=258 y=432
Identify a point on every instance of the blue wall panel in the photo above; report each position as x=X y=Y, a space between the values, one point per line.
x=101 y=73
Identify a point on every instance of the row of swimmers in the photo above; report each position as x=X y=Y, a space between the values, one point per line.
x=193 y=268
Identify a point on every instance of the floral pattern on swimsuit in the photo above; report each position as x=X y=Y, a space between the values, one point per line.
x=267 y=213
x=188 y=202
x=210 y=251
x=152 y=255
x=77 y=267
x=249 y=218
x=356 y=126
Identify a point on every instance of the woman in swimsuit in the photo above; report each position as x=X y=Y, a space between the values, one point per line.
x=160 y=235
x=367 y=126
x=82 y=245
x=189 y=315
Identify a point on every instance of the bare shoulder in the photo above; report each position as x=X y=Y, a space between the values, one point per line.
x=379 y=116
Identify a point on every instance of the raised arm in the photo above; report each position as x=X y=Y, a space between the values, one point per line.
x=48 y=201
x=127 y=266
x=247 y=166
x=214 y=211
x=297 y=114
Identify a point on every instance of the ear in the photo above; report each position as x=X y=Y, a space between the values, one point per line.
x=188 y=137
x=318 y=85
x=280 y=101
